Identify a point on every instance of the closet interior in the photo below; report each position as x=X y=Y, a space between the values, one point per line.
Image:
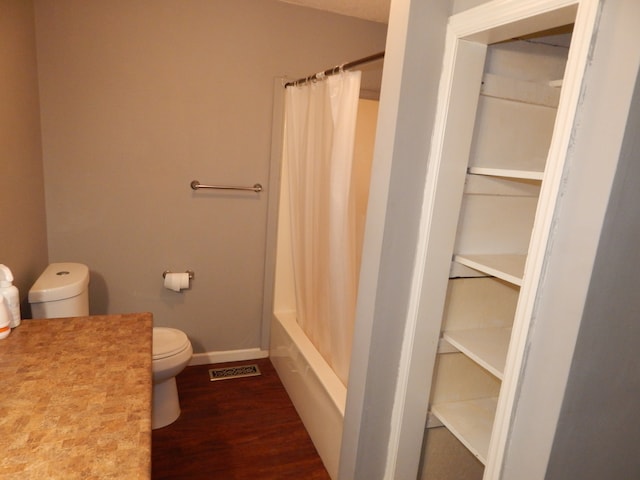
x=503 y=105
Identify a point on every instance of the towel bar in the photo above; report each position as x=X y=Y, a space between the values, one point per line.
x=195 y=185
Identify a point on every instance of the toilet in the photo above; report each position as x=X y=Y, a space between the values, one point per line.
x=62 y=291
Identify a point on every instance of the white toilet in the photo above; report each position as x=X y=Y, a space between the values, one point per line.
x=62 y=291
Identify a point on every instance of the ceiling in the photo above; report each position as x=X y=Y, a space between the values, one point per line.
x=374 y=10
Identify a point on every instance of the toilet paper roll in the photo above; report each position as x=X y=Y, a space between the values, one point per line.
x=176 y=281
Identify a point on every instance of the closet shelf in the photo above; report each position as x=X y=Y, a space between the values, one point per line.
x=506 y=173
x=470 y=421
x=485 y=346
x=508 y=267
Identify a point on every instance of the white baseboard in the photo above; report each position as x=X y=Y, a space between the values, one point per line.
x=228 y=356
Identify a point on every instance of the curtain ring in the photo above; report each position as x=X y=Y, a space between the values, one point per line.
x=302 y=81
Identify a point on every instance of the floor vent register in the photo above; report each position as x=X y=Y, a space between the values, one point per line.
x=233 y=372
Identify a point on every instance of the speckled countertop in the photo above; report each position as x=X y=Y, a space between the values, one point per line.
x=75 y=398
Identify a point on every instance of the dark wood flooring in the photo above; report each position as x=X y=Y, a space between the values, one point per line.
x=235 y=429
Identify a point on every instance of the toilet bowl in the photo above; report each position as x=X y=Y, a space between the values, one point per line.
x=172 y=352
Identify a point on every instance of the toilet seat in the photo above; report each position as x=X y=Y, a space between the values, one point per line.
x=168 y=342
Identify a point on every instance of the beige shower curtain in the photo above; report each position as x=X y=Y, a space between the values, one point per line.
x=320 y=121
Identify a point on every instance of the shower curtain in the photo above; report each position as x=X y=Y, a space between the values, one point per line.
x=320 y=121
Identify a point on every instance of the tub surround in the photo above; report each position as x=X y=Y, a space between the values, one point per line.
x=76 y=398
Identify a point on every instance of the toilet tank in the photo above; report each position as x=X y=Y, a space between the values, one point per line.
x=61 y=291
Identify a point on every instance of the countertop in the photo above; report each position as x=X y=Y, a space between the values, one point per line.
x=75 y=398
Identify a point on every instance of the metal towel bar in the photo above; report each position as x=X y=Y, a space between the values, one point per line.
x=195 y=185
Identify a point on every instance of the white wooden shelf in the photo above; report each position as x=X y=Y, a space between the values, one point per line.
x=470 y=421
x=485 y=346
x=507 y=173
x=508 y=267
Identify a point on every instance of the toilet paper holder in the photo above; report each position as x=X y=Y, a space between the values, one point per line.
x=190 y=272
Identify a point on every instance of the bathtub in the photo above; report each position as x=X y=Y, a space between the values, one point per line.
x=315 y=390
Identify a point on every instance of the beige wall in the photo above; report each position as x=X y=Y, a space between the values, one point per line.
x=140 y=97
x=23 y=241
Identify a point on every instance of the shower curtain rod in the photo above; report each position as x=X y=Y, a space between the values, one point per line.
x=336 y=69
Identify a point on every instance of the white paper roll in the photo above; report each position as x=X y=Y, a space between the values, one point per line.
x=176 y=281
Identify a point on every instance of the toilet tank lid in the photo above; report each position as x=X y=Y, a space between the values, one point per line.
x=60 y=281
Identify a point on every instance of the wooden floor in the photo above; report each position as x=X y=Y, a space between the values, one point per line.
x=235 y=429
